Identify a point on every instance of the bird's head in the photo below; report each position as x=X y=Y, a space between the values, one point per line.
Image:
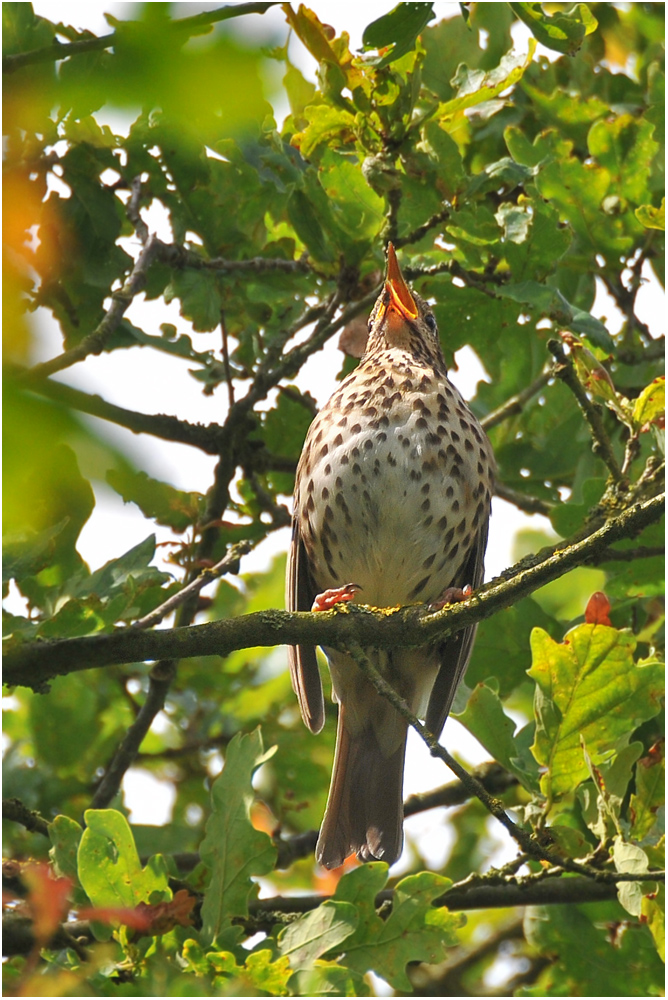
x=402 y=319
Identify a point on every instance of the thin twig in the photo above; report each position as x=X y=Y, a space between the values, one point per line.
x=628 y=555
x=96 y=342
x=448 y=983
x=516 y=404
x=390 y=232
x=189 y=25
x=565 y=370
x=631 y=452
x=530 y=505
x=491 y=776
x=160 y=679
x=416 y=235
x=229 y=562
x=226 y=360
x=133 y=213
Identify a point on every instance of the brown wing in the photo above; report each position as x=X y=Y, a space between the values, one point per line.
x=455 y=651
x=304 y=672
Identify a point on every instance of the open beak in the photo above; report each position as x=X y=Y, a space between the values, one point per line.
x=400 y=298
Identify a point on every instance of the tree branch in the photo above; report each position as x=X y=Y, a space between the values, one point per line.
x=16 y=812
x=160 y=679
x=516 y=404
x=492 y=776
x=96 y=341
x=189 y=25
x=206 y=437
x=230 y=561
x=530 y=505
x=34 y=664
x=565 y=370
x=555 y=890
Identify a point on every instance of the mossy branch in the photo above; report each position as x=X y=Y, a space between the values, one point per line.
x=34 y=664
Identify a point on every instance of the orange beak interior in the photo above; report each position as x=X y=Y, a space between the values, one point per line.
x=400 y=297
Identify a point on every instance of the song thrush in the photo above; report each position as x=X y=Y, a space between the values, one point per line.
x=392 y=503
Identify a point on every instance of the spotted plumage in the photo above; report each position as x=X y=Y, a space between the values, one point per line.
x=393 y=493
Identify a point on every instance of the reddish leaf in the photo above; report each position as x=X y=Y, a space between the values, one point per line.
x=598 y=609
x=163 y=917
x=126 y=915
x=147 y=919
x=48 y=898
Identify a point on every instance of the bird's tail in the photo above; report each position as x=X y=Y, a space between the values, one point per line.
x=364 y=811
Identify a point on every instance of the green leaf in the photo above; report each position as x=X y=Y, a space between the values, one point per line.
x=476 y=86
x=308 y=227
x=589 y=687
x=357 y=209
x=284 y=427
x=624 y=147
x=199 y=295
x=547 y=301
x=317 y=932
x=65 y=835
x=514 y=220
x=567 y=518
x=602 y=800
x=325 y=125
x=328 y=979
x=414 y=931
x=562 y=31
x=174 y=508
x=76 y=617
x=64 y=723
x=501 y=648
x=398 y=29
x=232 y=849
x=258 y=973
x=109 y=866
x=115 y=574
x=485 y=719
x=650 y=794
x=632 y=859
x=299 y=90
x=583 y=956
x=30 y=552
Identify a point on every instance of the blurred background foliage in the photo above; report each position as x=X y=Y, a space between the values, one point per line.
x=518 y=185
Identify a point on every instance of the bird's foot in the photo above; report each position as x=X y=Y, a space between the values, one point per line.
x=329 y=598
x=451 y=595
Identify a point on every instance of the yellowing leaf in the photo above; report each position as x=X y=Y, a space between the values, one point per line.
x=651 y=403
x=587 y=686
x=651 y=217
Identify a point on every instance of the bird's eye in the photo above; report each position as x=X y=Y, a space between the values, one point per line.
x=430 y=320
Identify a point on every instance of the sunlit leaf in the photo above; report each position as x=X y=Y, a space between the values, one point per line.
x=232 y=849
x=587 y=687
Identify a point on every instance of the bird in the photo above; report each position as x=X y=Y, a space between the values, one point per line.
x=391 y=507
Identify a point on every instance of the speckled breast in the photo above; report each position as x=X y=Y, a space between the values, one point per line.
x=394 y=482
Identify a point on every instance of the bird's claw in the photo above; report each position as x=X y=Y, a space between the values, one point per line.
x=329 y=598
x=451 y=595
